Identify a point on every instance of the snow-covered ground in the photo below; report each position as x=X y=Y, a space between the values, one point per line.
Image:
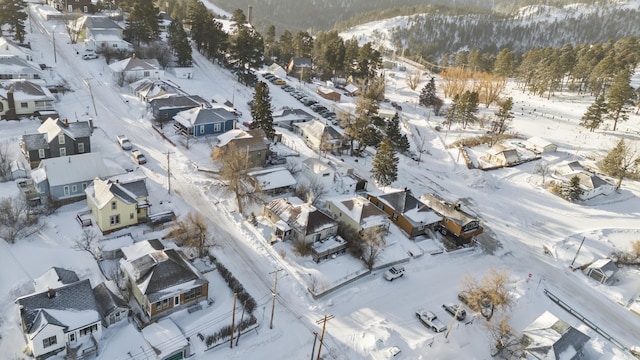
x=370 y=314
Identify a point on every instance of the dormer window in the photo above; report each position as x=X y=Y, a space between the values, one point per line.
x=61 y=139
x=114 y=205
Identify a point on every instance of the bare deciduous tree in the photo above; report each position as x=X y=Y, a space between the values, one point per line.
x=310 y=191
x=543 y=169
x=5 y=162
x=505 y=343
x=15 y=219
x=193 y=232
x=373 y=243
x=234 y=166
x=88 y=242
x=413 y=80
x=485 y=295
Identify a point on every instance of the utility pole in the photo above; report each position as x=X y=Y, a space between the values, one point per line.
x=455 y=317
x=233 y=319
x=244 y=306
x=579 y=247
x=273 y=294
x=53 y=36
x=93 y=100
x=313 y=350
x=169 y=172
x=324 y=326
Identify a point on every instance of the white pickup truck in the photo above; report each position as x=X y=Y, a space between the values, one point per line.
x=430 y=320
x=393 y=273
x=124 y=142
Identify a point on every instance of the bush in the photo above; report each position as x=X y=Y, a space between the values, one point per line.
x=302 y=248
x=245 y=298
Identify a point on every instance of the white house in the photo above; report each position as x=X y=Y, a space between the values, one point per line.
x=133 y=69
x=59 y=317
x=15 y=67
x=10 y=48
x=319 y=136
x=299 y=221
x=501 y=156
x=274 y=180
x=591 y=184
x=317 y=171
x=540 y=145
x=20 y=98
x=358 y=213
x=105 y=38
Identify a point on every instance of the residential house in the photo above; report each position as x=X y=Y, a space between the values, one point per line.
x=11 y=48
x=111 y=307
x=165 y=21
x=540 y=145
x=277 y=70
x=591 y=184
x=133 y=69
x=320 y=136
x=80 y=29
x=316 y=171
x=13 y=67
x=161 y=279
x=287 y=116
x=59 y=318
x=54 y=278
x=106 y=40
x=358 y=213
x=149 y=89
x=118 y=202
x=23 y=98
x=202 y=121
x=64 y=179
x=328 y=94
x=499 y=155
x=602 y=270
x=456 y=223
x=56 y=138
x=76 y=6
x=251 y=145
x=299 y=221
x=348 y=182
x=164 y=108
x=299 y=66
x=167 y=340
x=549 y=338
x=275 y=180
x=411 y=215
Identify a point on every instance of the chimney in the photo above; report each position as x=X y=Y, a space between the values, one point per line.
x=51 y=293
x=65 y=122
x=11 y=113
x=91 y=124
x=456 y=206
x=249 y=14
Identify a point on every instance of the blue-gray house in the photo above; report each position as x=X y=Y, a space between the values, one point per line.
x=203 y=121
x=64 y=179
x=166 y=107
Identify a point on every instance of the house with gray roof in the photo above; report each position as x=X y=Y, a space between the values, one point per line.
x=64 y=179
x=298 y=221
x=23 y=98
x=602 y=270
x=358 y=213
x=458 y=225
x=119 y=201
x=161 y=279
x=203 y=121
x=61 y=317
x=149 y=89
x=15 y=67
x=590 y=183
x=112 y=308
x=287 y=116
x=54 y=278
x=250 y=145
x=133 y=69
x=55 y=138
x=411 y=215
x=164 y=108
x=319 y=135
x=549 y=338
x=81 y=29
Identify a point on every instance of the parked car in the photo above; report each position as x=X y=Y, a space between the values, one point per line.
x=288 y=88
x=430 y=320
x=298 y=95
x=124 y=142
x=464 y=297
x=279 y=81
x=396 y=106
x=268 y=76
x=280 y=160
x=89 y=56
x=393 y=273
x=138 y=157
x=451 y=309
x=307 y=101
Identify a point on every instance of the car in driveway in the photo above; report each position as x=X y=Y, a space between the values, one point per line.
x=138 y=157
x=394 y=272
x=452 y=309
x=430 y=320
x=124 y=142
x=89 y=56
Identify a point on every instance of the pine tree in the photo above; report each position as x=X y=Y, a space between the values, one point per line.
x=398 y=140
x=505 y=63
x=143 y=23
x=594 y=115
x=503 y=117
x=468 y=107
x=385 y=165
x=12 y=13
x=261 y=110
x=617 y=96
x=428 y=94
x=247 y=48
x=573 y=191
x=179 y=42
x=621 y=161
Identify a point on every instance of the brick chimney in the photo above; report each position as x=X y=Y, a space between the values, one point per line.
x=51 y=293
x=11 y=112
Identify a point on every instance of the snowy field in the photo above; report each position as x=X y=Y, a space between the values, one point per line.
x=370 y=314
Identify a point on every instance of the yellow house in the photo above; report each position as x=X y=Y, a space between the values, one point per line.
x=118 y=202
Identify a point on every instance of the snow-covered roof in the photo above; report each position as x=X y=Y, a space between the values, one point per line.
x=54 y=127
x=361 y=210
x=539 y=142
x=202 y=116
x=350 y=88
x=135 y=64
x=548 y=337
x=606 y=266
x=55 y=278
x=106 y=35
x=8 y=47
x=302 y=216
x=13 y=64
x=289 y=114
x=317 y=166
x=94 y=22
x=111 y=244
x=128 y=190
x=106 y=300
x=274 y=178
x=318 y=128
x=24 y=90
x=75 y=168
x=165 y=337
x=447 y=209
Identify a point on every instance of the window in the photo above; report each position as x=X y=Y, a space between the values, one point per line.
x=74 y=188
x=217 y=127
x=115 y=45
x=176 y=300
x=146 y=74
x=41 y=153
x=161 y=305
x=201 y=129
x=63 y=152
x=61 y=139
x=24 y=105
x=84 y=186
x=114 y=220
x=114 y=205
x=80 y=148
x=72 y=336
x=66 y=191
x=130 y=216
x=394 y=217
x=88 y=330
x=50 y=341
x=192 y=294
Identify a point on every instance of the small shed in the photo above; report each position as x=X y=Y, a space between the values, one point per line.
x=328 y=94
x=540 y=145
x=352 y=90
x=602 y=270
x=18 y=170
